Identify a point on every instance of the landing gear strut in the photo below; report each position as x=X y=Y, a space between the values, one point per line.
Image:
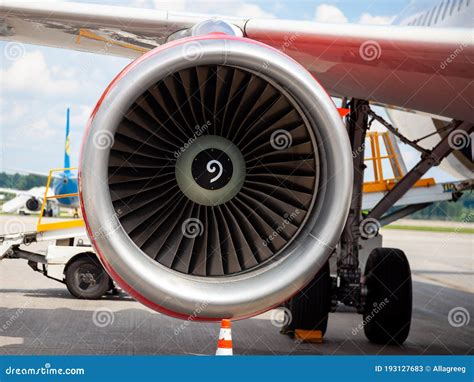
x=383 y=294
x=348 y=288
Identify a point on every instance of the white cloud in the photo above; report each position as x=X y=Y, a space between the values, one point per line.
x=226 y=8
x=253 y=10
x=30 y=74
x=175 y=6
x=326 y=13
x=38 y=129
x=367 y=18
x=41 y=125
x=12 y=113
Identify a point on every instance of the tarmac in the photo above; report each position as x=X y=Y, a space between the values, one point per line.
x=39 y=316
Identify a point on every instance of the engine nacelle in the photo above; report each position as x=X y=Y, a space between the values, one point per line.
x=33 y=204
x=215 y=178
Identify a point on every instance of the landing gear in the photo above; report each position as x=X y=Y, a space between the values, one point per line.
x=388 y=303
x=309 y=309
x=48 y=212
x=87 y=279
x=383 y=295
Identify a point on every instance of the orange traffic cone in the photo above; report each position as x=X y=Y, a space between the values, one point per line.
x=224 y=344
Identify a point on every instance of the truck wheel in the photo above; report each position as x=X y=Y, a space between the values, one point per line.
x=87 y=279
x=309 y=309
x=388 y=304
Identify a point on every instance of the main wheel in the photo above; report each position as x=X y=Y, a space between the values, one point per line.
x=309 y=308
x=87 y=279
x=387 y=313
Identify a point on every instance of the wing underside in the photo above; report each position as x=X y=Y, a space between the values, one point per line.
x=406 y=67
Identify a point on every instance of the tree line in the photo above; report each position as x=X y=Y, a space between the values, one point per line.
x=22 y=182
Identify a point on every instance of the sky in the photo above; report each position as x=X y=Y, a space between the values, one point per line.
x=39 y=83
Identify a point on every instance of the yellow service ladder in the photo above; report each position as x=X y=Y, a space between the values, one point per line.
x=58 y=225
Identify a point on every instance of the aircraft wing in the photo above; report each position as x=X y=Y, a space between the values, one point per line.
x=14 y=191
x=408 y=67
x=36 y=192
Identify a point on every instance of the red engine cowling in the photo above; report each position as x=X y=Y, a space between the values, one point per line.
x=215 y=178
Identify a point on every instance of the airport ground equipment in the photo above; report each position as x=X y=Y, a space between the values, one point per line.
x=70 y=259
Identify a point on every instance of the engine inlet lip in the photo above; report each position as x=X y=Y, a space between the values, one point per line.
x=244 y=294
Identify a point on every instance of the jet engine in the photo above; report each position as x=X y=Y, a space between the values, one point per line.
x=215 y=178
x=33 y=204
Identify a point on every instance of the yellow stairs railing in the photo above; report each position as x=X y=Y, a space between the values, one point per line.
x=380 y=183
x=58 y=225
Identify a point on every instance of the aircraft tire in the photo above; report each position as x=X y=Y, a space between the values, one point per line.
x=86 y=278
x=388 y=304
x=309 y=308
